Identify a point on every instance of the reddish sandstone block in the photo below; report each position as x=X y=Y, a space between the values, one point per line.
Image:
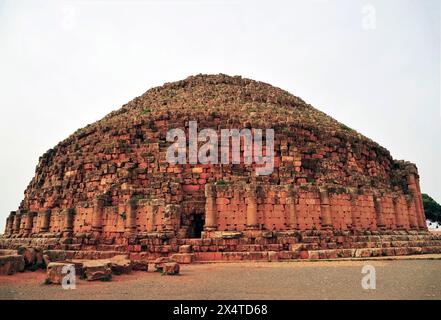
x=10 y=264
x=185 y=249
x=160 y=262
x=171 y=268
x=273 y=256
x=55 y=274
x=140 y=265
x=183 y=258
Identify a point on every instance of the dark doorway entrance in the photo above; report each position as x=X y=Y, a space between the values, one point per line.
x=196 y=225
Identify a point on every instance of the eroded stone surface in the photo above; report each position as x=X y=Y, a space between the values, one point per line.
x=56 y=271
x=120 y=265
x=97 y=270
x=11 y=264
x=108 y=190
x=171 y=268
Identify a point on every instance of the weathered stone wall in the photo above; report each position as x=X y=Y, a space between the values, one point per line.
x=237 y=207
x=110 y=184
x=309 y=208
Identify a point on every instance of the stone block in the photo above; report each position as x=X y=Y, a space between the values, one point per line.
x=11 y=264
x=273 y=256
x=183 y=258
x=140 y=265
x=54 y=272
x=171 y=268
x=97 y=270
x=120 y=264
x=55 y=255
x=160 y=262
x=185 y=248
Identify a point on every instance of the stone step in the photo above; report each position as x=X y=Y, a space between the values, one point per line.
x=62 y=255
x=369 y=252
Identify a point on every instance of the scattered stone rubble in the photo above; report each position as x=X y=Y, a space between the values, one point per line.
x=11 y=262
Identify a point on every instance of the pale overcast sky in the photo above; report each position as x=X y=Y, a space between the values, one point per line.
x=65 y=64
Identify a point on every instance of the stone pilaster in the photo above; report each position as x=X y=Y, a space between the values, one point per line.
x=68 y=217
x=378 y=205
x=98 y=215
x=251 y=201
x=17 y=221
x=172 y=217
x=29 y=222
x=7 y=225
x=10 y=223
x=413 y=186
x=398 y=214
x=420 y=202
x=130 y=223
x=151 y=221
x=354 y=198
x=325 y=209
x=210 y=208
x=292 y=210
x=44 y=220
x=411 y=212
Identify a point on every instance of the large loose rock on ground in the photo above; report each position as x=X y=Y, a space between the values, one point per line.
x=56 y=271
x=140 y=265
x=33 y=257
x=171 y=268
x=10 y=264
x=160 y=262
x=97 y=270
x=120 y=265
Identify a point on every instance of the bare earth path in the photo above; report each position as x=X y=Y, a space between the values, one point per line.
x=399 y=279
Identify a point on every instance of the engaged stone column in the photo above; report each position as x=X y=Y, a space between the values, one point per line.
x=210 y=208
x=44 y=218
x=29 y=222
x=354 y=198
x=291 y=207
x=8 y=219
x=172 y=217
x=17 y=221
x=10 y=223
x=251 y=200
x=379 y=213
x=325 y=209
x=412 y=215
x=151 y=221
x=68 y=220
x=130 y=223
x=420 y=201
x=97 y=218
x=398 y=216
x=414 y=189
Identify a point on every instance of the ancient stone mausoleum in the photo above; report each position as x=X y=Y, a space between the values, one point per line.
x=108 y=188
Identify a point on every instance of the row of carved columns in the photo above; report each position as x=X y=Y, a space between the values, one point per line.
x=22 y=221
x=413 y=214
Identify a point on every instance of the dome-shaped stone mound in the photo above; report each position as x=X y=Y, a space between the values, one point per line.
x=111 y=182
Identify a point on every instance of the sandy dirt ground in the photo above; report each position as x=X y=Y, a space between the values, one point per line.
x=396 y=279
